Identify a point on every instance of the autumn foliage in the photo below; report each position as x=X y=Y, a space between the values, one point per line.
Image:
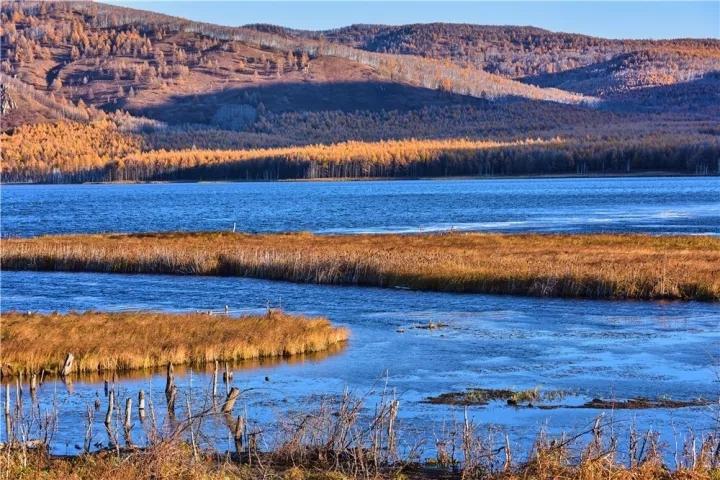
x=47 y=151
x=100 y=151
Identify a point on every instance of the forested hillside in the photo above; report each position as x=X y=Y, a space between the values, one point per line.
x=528 y=52
x=129 y=85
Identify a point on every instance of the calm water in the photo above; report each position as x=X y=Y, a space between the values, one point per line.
x=587 y=348
x=654 y=205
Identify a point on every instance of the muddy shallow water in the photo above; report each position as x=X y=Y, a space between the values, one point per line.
x=603 y=349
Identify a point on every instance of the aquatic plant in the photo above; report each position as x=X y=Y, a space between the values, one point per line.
x=576 y=266
x=102 y=341
x=483 y=396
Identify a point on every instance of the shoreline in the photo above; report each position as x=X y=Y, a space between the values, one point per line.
x=649 y=174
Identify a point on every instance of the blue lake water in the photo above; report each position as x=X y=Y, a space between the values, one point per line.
x=652 y=205
x=587 y=348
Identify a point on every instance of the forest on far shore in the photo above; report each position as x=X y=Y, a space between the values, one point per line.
x=100 y=152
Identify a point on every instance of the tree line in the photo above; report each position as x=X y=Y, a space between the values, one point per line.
x=99 y=151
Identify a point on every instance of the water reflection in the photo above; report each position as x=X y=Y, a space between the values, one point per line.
x=95 y=378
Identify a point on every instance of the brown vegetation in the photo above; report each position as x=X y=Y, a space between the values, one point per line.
x=133 y=340
x=170 y=461
x=593 y=266
x=335 y=441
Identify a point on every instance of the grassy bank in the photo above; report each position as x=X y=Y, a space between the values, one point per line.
x=125 y=341
x=177 y=460
x=579 y=266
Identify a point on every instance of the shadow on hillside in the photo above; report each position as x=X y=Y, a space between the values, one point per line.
x=699 y=97
x=311 y=97
x=587 y=80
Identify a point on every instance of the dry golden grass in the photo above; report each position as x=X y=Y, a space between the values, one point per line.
x=171 y=461
x=124 y=341
x=589 y=266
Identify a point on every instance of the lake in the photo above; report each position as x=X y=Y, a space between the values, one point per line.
x=587 y=349
x=651 y=205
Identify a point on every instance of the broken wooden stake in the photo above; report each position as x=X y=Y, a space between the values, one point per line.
x=128 y=413
x=215 y=378
x=111 y=401
x=170 y=380
x=171 y=396
x=227 y=374
x=230 y=400
x=238 y=434
x=141 y=405
x=239 y=428
x=18 y=395
x=67 y=366
x=7 y=399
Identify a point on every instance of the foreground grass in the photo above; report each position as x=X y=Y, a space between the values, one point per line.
x=125 y=341
x=589 y=266
x=177 y=461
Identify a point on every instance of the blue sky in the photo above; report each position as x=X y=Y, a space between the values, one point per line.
x=610 y=19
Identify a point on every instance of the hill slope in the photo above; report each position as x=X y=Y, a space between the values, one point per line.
x=527 y=52
x=108 y=55
x=191 y=85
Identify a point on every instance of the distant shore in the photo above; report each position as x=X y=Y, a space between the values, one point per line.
x=649 y=174
x=610 y=266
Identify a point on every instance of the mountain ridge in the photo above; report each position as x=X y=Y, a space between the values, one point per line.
x=490 y=47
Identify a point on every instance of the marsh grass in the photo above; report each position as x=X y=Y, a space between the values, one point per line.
x=590 y=455
x=483 y=396
x=139 y=340
x=577 y=266
x=343 y=437
x=171 y=461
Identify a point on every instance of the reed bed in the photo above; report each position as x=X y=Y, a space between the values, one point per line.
x=136 y=340
x=577 y=266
